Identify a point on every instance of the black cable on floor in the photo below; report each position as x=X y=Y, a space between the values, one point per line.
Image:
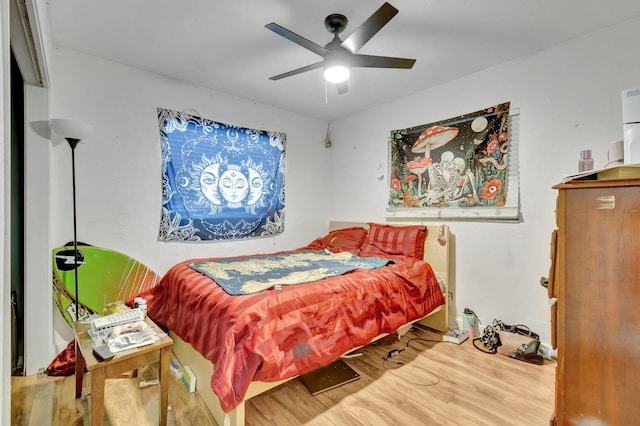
x=396 y=352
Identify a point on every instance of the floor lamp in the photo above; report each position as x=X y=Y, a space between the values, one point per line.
x=73 y=132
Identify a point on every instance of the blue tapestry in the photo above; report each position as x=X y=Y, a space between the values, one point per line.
x=252 y=274
x=219 y=181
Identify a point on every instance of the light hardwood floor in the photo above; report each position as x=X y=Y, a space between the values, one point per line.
x=436 y=384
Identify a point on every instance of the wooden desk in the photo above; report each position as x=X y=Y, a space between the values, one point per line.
x=143 y=356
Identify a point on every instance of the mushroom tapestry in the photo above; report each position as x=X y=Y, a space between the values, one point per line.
x=219 y=181
x=459 y=162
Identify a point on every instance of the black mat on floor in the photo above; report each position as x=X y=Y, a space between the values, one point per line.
x=328 y=377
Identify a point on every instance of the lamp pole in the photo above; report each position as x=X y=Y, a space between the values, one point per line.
x=73 y=131
x=73 y=143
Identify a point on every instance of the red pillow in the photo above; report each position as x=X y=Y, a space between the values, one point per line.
x=385 y=240
x=348 y=239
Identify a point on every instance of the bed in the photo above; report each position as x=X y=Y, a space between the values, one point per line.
x=260 y=340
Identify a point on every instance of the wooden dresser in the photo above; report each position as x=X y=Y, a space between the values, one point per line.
x=595 y=277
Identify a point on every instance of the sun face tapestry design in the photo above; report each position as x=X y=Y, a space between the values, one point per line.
x=219 y=181
x=459 y=162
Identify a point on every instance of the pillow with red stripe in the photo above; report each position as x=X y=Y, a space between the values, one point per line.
x=385 y=240
x=348 y=239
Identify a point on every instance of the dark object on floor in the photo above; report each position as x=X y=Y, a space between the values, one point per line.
x=490 y=340
x=528 y=353
x=328 y=377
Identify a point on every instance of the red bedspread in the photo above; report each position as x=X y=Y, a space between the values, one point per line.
x=279 y=334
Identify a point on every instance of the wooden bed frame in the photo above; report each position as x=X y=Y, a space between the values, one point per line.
x=437 y=253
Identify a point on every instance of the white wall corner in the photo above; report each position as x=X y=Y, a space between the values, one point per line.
x=38 y=345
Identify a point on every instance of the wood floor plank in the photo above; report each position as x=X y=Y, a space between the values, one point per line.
x=43 y=404
x=428 y=383
x=438 y=383
x=123 y=404
x=34 y=398
x=22 y=391
x=68 y=411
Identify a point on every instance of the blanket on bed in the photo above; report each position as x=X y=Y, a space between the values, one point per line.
x=248 y=275
x=275 y=335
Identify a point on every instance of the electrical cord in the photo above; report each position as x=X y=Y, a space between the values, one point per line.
x=400 y=364
x=396 y=352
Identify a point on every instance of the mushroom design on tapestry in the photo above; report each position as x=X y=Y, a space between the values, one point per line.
x=418 y=167
x=431 y=138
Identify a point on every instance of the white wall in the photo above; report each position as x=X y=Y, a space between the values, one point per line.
x=568 y=98
x=38 y=340
x=118 y=167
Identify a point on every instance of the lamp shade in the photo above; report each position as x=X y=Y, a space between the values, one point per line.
x=73 y=129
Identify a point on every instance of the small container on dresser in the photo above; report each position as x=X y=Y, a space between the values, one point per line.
x=585 y=163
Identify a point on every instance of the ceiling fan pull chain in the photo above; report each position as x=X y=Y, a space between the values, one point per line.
x=326 y=93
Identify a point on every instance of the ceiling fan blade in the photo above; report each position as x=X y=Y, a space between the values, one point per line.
x=299 y=40
x=369 y=61
x=370 y=27
x=297 y=71
x=343 y=87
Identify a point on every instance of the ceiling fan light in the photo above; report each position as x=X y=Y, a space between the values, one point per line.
x=337 y=73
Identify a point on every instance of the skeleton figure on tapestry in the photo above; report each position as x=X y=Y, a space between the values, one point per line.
x=448 y=179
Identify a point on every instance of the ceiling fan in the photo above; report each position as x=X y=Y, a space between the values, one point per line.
x=339 y=56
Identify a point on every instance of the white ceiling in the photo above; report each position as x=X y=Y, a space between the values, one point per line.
x=223 y=45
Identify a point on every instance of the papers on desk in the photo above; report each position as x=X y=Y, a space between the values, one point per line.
x=132 y=340
x=124 y=341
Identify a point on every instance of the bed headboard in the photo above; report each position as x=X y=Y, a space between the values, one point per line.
x=437 y=252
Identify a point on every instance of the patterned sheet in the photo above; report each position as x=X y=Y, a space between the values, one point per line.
x=261 y=272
